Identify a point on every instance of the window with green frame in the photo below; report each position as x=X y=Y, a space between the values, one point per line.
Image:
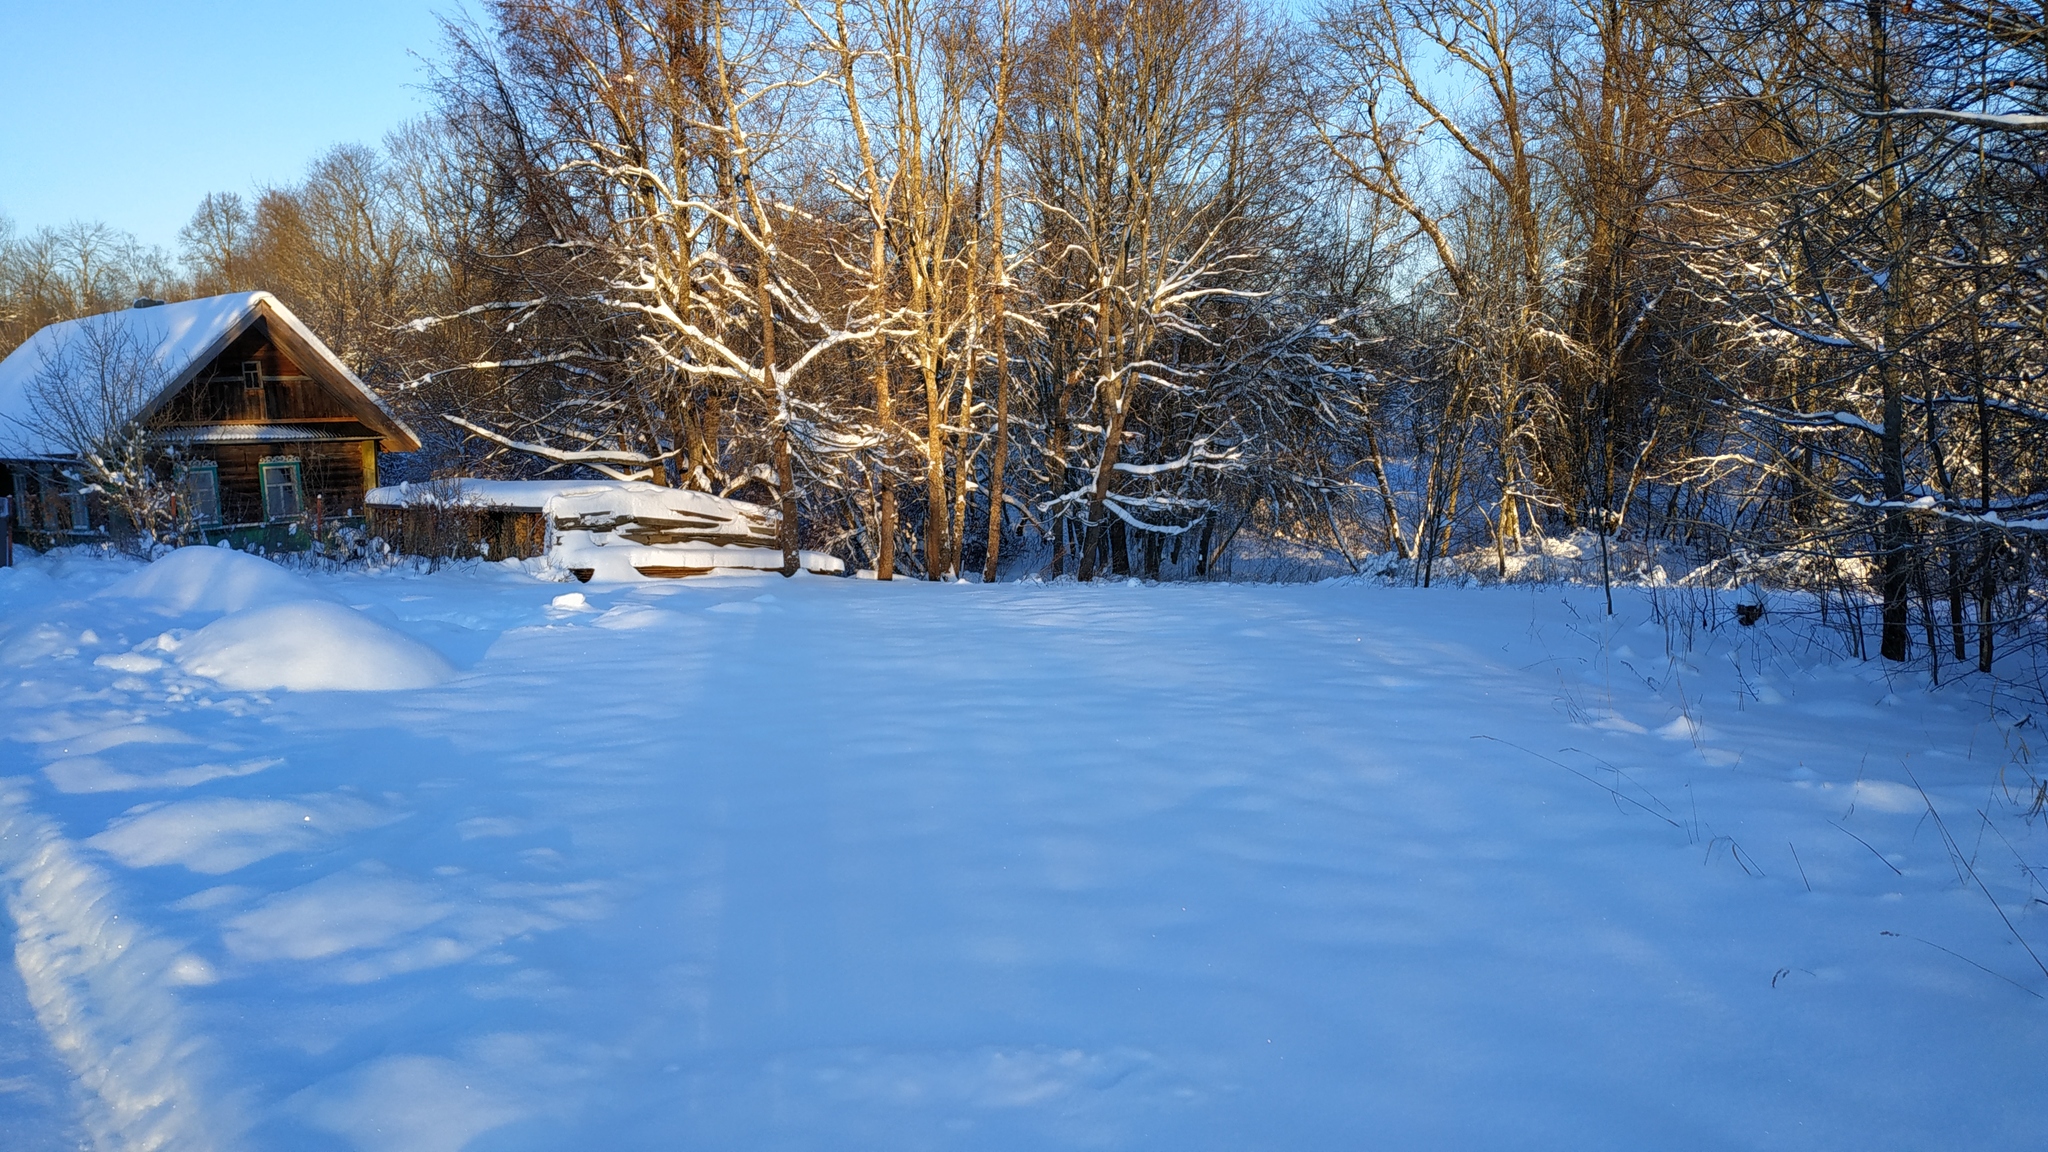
x=283 y=496
x=200 y=489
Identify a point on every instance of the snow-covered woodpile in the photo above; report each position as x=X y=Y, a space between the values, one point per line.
x=651 y=515
x=609 y=529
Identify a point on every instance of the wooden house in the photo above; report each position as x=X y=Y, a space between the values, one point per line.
x=259 y=421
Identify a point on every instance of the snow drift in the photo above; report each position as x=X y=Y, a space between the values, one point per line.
x=942 y=866
x=199 y=579
x=309 y=646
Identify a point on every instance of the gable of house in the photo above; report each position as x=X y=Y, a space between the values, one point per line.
x=207 y=343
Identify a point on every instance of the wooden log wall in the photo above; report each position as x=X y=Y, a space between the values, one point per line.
x=332 y=472
x=456 y=532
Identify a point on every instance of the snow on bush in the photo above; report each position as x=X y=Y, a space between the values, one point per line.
x=199 y=579
x=309 y=646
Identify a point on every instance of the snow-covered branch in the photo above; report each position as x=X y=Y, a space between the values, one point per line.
x=601 y=460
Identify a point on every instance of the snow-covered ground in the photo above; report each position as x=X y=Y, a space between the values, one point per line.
x=756 y=863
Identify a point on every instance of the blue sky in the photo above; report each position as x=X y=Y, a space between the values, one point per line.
x=129 y=111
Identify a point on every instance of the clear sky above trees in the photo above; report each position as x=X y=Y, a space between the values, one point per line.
x=129 y=111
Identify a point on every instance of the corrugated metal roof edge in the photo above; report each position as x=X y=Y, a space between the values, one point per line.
x=260 y=434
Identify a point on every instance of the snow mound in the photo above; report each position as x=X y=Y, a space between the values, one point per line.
x=200 y=579
x=309 y=646
x=215 y=835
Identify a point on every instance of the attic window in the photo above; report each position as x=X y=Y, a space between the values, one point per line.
x=252 y=375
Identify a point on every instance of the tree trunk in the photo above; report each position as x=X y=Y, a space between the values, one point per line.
x=785 y=473
x=998 y=351
x=934 y=475
x=1958 y=633
x=1894 y=534
x=1393 y=514
x=786 y=476
x=1001 y=451
x=1987 y=593
x=885 y=535
x=1113 y=387
x=963 y=471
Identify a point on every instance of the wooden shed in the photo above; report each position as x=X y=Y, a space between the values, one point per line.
x=613 y=529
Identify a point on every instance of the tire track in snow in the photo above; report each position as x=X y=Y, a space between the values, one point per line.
x=38 y=1105
x=102 y=989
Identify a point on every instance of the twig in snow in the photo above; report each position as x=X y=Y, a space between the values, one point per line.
x=1866 y=844
x=2021 y=860
x=1735 y=853
x=1588 y=779
x=1955 y=854
x=1967 y=960
x=1621 y=775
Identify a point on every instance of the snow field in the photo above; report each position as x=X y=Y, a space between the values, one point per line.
x=747 y=862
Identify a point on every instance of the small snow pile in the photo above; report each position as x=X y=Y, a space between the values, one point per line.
x=309 y=646
x=200 y=579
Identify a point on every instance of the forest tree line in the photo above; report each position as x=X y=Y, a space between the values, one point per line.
x=1095 y=286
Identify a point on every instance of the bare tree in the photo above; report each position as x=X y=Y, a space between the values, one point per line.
x=92 y=399
x=1382 y=115
x=1137 y=120
x=1831 y=241
x=79 y=269
x=1000 y=266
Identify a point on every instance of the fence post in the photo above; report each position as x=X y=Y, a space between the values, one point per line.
x=6 y=531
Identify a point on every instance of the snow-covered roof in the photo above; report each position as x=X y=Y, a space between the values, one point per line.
x=617 y=528
x=186 y=337
x=618 y=500
x=506 y=495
